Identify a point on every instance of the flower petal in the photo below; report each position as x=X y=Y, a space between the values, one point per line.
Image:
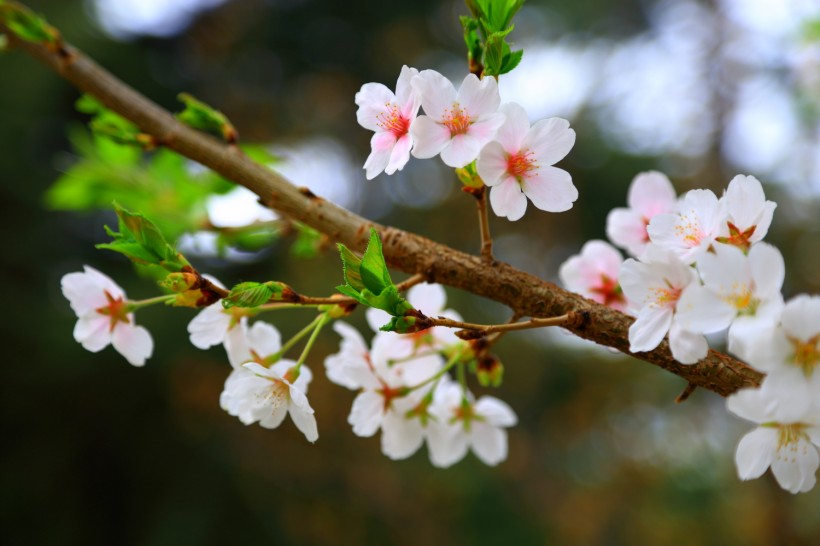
x=551 y=189
x=400 y=154
x=382 y=146
x=429 y=137
x=478 y=97
x=489 y=443
x=550 y=140
x=92 y=332
x=508 y=200
x=462 y=149
x=649 y=328
x=492 y=164
x=371 y=100
x=755 y=452
x=436 y=92
x=366 y=413
x=133 y=342
x=795 y=465
x=511 y=134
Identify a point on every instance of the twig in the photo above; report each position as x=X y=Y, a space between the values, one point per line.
x=492 y=328
x=409 y=252
x=484 y=225
x=685 y=393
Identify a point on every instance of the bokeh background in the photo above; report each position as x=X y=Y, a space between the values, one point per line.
x=98 y=452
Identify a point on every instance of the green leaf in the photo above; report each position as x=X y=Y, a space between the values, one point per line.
x=308 y=241
x=28 y=25
x=511 y=60
x=350 y=268
x=141 y=241
x=253 y=294
x=201 y=116
x=494 y=52
x=373 y=270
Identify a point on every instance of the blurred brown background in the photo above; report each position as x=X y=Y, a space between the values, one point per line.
x=97 y=452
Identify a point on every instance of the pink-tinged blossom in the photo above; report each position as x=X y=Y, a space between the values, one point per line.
x=350 y=367
x=216 y=325
x=691 y=230
x=739 y=291
x=650 y=193
x=789 y=353
x=457 y=124
x=654 y=288
x=518 y=165
x=255 y=393
x=594 y=274
x=103 y=316
x=747 y=213
x=461 y=423
x=786 y=443
x=390 y=116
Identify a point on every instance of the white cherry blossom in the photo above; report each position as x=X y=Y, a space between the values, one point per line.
x=216 y=325
x=650 y=193
x=104 y=317
x=789 y=353
x=594 y=274
x=691 y=229
x=253 y=344
x=390 y=116
x=457 y=124
x=654 y=288
x=254 y=393
x=518 y=165
x=461 y=424
x=787 y=443
x=747 y=212
x=740 y=292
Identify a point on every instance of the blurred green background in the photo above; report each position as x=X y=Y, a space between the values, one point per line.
x=98 y=452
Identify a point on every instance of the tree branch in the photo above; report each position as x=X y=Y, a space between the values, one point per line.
x=525 y=294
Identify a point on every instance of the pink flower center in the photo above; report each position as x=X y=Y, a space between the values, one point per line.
x=392 y=120
x=456 y=120
x=116 y=311
x=521 y=164
x=609 y=291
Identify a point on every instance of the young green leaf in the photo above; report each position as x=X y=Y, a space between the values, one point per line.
x=201 y=116
x=28 y=25
x=253 y=294
x=141 y=241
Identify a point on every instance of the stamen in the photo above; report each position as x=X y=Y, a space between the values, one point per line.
x=806 y=354
x=456 y=120
x=392 y=120
x=522 y=164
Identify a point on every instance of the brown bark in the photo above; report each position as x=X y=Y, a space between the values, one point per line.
x=525 y=294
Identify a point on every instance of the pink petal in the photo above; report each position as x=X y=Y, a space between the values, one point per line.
x=492 y=164
x=651 y=193
x=508 y=200
x=92 y=332
x=371 y=99
x=550 y=140
x=429 y=137
x=400 y=154
x=463 y=149
x=649 y=328
x=551 y=189
x=627 y=229
x=511 y=134
x=382 y=145
x=409 y=101
x=485 y=129
x=436 y=92
x=478 y=97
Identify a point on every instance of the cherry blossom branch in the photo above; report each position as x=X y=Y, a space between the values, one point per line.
x=484 y=329
x=522 y=292
x=484 y=224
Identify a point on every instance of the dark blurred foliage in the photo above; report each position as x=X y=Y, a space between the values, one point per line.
x=98 y=452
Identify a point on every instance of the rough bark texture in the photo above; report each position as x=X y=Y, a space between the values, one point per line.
x=525 y=294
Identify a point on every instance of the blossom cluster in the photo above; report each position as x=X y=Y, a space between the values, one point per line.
x=470 y=125
x=699 y=267
x=405 y=391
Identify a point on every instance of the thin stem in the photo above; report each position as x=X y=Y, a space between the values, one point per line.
x=450 y=363
x=280 y=306
x=293 y=341
x=484 y=226
x=139 y=304
x=410 y=282
x=343 y=300
x=493 y=328
x=322 y=320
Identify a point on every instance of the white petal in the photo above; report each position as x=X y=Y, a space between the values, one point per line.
x=92 y=332
x=510 y=135
x=651 y=193
x=795 y=466
x=273 y=416
x=801 y=317
x=400 y=154
x=478 y=97
x=495 y=411
x=485 y=129
x=264 y=338
x=627 y=229
x=550 y=140
x=401 y=437
x=437 y=93
x=429 y=137
x=382 y=145
x=461 y=150
x=446 y=445
x=366 y=413
x=302 y=414
x=767 y=270
x=687 y=347
x=508 y=200
x=133 y=342
x=489 y=443
x=649 y=328
x=551 y=189
x=406 y=96
x=492 y=164
x=701 y=310
x=209 y=327
x=755 y=452
x=430 y=299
